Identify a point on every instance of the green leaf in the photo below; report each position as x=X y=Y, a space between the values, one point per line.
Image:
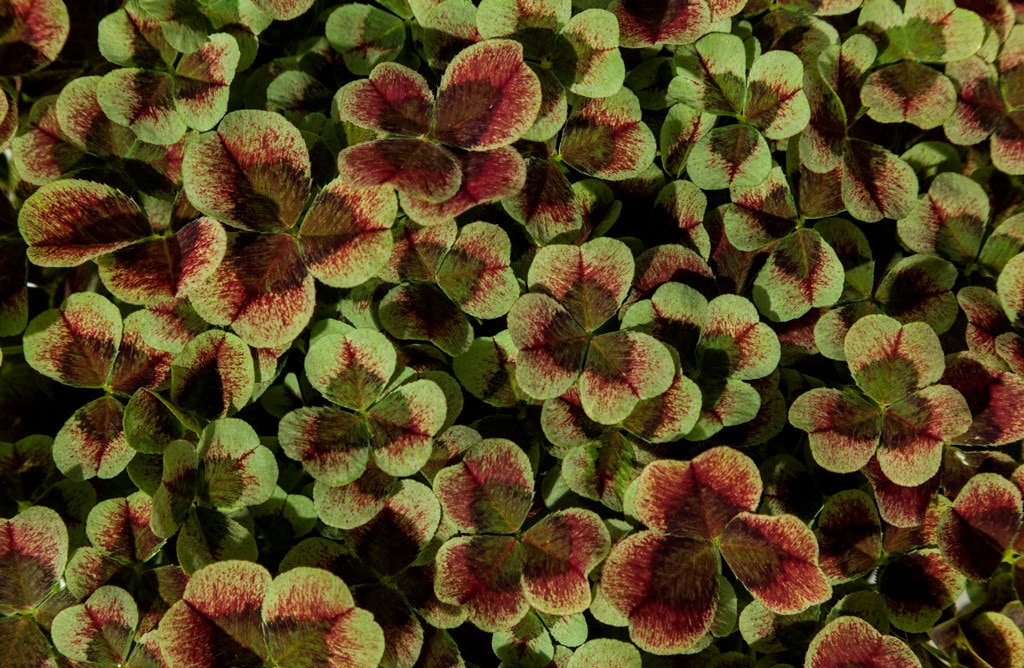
x=731 y=156
x=213 y=375
x=597 y=69
x=606 y=137
x=403 y=424
x=252 y=173
x=605 y=653
x=77 y=343
x=364 y=35
x=622 y=369
x=889 y=360
x=503 y=105
x=92 y=442
x=332 y=444
x=491 y=490
x=142 y=100
x=99 y=630
x=776 y=104
x=847 y=639
x=475 y=273
x=392 y=99
x=487 y=369
x=219 y=618
x=312 y=620
x=875 y=183
x=421 y=312
x=235 y=470
x=802 y=272
x=911 y=92
x=352 y=369
x=560 y=552
x=283 y=10
x=33 y=553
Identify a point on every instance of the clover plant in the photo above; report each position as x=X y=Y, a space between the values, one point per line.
x=543 y=333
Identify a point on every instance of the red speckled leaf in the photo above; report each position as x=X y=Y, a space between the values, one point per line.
x=733 y=156
x=392 y=99
x=218 y=620
x=418 y=251
x=992 y=396
x=919 y=288
x=487 y=176
x=403 y=424
x=283 y=10
x=699 y=497
x=84 y=124
x=91 y=443
x=133 y=39
x=734 y=342
x=849 y=534
x=120 y=527
x=949 y=220
x=77 y=343
x=352 y=505
x=100 y=630
x=914 y=430
x=235 y=470
x=22 y=643
x=487 y=98
x=644 y=23
x=33 y=554
x=345 y=237
x=665 y=586
x=842 y=427
x=483 y=574
x=252 y=173
x=917 y=587
x=208 y=536
x=589 y=281
x=32 y=33
x=71 y=221
x=312 y=621
x=561 y=550
x=143 y=101
x=421 y=312
x=802 y=272
x=889 y=360
x=546 y=206
x=976 y=531
x=491 y=490
x=776 y=558
x=911 y=92
x=606 y=138
x=900 y=506
x=551 y=345
x=475 y=273
x=622 y=369
x=333 y=445
x=202 y=81
x=213 y=375
x=415 y=167
x=151 y=423
x=406 y=523
x=351 y=369
x=875 y=183
x=851 y=641
x=8 y=120
x=985 y=320
x=669 y=416
x=261 y=289
x=41 y=154
x=165 y=267
x=761 y=214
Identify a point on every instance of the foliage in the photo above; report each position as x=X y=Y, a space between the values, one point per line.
x=548 y=333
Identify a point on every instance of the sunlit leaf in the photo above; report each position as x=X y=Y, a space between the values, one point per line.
x=976 y=531
x=852 y=641
x=218 y=619
x=802 y=272
x=332 y=444
x=487 y=97
x=665 y=586
x=364 y=35
x=252 y=173
x=92 y=442
x=911 y=92
x=875 y=183
x=235 y=469
x=607 y=139
x=484 y=575
x=100 y=629
x=312 y=620
x=491 y=490
x=213 y=375
x=77 y=343
x=403 y=424
x=730 y=156
x=843 y=428
x=33 y=553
